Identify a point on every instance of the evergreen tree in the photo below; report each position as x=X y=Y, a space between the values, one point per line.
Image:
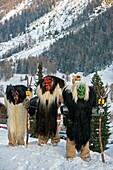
x=33 y=118
x=105 y=129
x=19 y=66
x=39 y=74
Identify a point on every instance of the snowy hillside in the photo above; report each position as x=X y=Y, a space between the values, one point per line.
x=42 y=31
x=17 y=10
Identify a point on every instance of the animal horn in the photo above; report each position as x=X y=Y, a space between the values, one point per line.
x=76 y=78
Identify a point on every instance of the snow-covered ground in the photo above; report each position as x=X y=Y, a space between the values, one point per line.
x=48 y=157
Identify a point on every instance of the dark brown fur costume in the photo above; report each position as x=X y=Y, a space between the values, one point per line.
x=80 y=116
x=3 y=113
x=21 y=89
x=48 y=103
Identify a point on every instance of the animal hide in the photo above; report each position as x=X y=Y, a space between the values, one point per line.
x=3 y=113
x=16 y=111
x=48 y=103
x=80 y=111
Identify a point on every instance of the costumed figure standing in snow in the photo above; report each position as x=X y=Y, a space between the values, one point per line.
x=16 y=104
x=79 y=99
x=49 y=96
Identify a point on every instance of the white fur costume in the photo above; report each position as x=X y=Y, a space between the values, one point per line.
x=16 y=122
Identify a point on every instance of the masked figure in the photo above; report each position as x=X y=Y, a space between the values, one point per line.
x=17 y=113
x=49 y=97
x=79 y=100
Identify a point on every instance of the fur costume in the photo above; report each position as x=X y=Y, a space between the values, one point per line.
x=49 y=93
x=16 y=112
x=3 y=114
x=79 y=117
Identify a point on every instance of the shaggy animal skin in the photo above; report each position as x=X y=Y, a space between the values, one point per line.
x=3 y=113
x=79 y=116
x=49 y=93
x=16 y=112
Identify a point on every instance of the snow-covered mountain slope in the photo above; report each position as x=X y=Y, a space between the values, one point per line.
x=17 y=10
x=42 y=31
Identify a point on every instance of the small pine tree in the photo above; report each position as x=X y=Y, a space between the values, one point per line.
x=39 y=75
x=33 y=118
x=105 y=129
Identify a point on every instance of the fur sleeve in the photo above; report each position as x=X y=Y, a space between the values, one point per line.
x=67 y=97
x=5 y=101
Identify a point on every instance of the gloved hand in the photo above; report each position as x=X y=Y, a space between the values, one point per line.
x=26 y=103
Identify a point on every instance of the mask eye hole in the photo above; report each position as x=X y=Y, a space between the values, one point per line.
x=14 y=93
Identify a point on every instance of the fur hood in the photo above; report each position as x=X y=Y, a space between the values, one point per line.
x=73 y=89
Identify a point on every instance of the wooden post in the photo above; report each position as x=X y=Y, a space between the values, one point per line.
x=27 y=136
x=100 y=141
x=27 y=119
